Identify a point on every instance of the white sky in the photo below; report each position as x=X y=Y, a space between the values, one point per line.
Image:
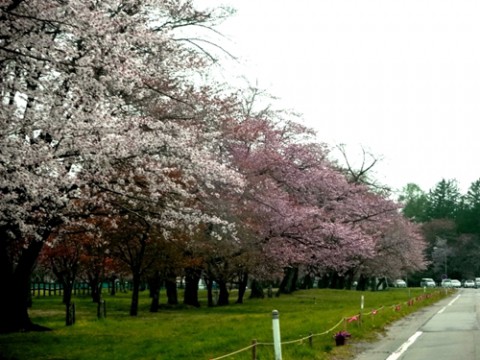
x=400 y=78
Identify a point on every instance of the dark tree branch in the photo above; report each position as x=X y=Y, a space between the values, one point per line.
x=13 y=5
x=48 y=21
x=193 y=42
x=168 y=96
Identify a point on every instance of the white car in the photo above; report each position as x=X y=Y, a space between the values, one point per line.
x=427 y=282
x=400 y=283
x=469 y=284
x=456 y=283
x=447 y=283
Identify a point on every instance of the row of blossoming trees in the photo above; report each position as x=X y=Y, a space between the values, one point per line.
x=119 y=154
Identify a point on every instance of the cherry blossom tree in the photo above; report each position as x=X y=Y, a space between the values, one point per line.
x=96 y=263
x=78 y=81
x=107 y=103
x=295 y=193
x=306 y=211
x=64 y=261
x=399 y=250
x=79 y=250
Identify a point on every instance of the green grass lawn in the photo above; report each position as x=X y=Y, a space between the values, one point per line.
x=209 y=333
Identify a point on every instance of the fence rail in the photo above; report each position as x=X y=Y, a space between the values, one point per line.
x=79 y=288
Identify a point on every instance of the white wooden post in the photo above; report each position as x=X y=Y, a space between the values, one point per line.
x=362 y=302
x=277 y=345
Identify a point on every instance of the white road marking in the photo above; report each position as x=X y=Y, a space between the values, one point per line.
x=395 y=355
x=404 y=346
x=449 y=304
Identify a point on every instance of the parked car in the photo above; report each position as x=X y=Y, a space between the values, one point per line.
x=447 y=283
x=456 y=283
x=427 y=282
x=400 y=283
x=477 y=283
x=469 y=284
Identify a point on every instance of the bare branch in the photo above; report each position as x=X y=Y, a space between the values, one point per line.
x=192 y=41
x=168 y=95
x=49 y=21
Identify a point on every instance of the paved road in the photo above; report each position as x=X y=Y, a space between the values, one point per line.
x=449 y=329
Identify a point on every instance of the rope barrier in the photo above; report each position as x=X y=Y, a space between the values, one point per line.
x=373 y=312
x=331 y=329
x=294 y=341
x=235 y=352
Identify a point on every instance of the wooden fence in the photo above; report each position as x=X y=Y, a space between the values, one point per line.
x=79 y=288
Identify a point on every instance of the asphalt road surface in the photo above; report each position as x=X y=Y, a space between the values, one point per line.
x=447 y=330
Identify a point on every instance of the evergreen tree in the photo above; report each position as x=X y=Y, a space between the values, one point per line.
x=444 y=200
x=415 y=202
x=469 y=217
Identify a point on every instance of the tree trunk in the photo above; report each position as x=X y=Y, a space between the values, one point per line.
x=155 y=304
x=349 y=279
x=209 y=284
x=362 y=283
x=15 y=281
x=96 y=287
x=30 y=300
x=67 y=279
x=172 y=293
x=340 y=282
x=242 y=286
x=69 y=314
x=192 y=277
x=113 y=290
x=324 y=282
x=154 y=284
x=256 y=290
x=307 y=282
x=223 y=295
x=289 y=282
x=67 y=291
x=382 y=284
x=135 y=293
x=334 y=280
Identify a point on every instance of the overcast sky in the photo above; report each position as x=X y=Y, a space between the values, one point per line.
x=400 y=78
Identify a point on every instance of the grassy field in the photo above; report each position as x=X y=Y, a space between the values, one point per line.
x=209 y=333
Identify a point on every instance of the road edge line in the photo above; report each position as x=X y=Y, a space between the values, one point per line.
x=395 y=355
